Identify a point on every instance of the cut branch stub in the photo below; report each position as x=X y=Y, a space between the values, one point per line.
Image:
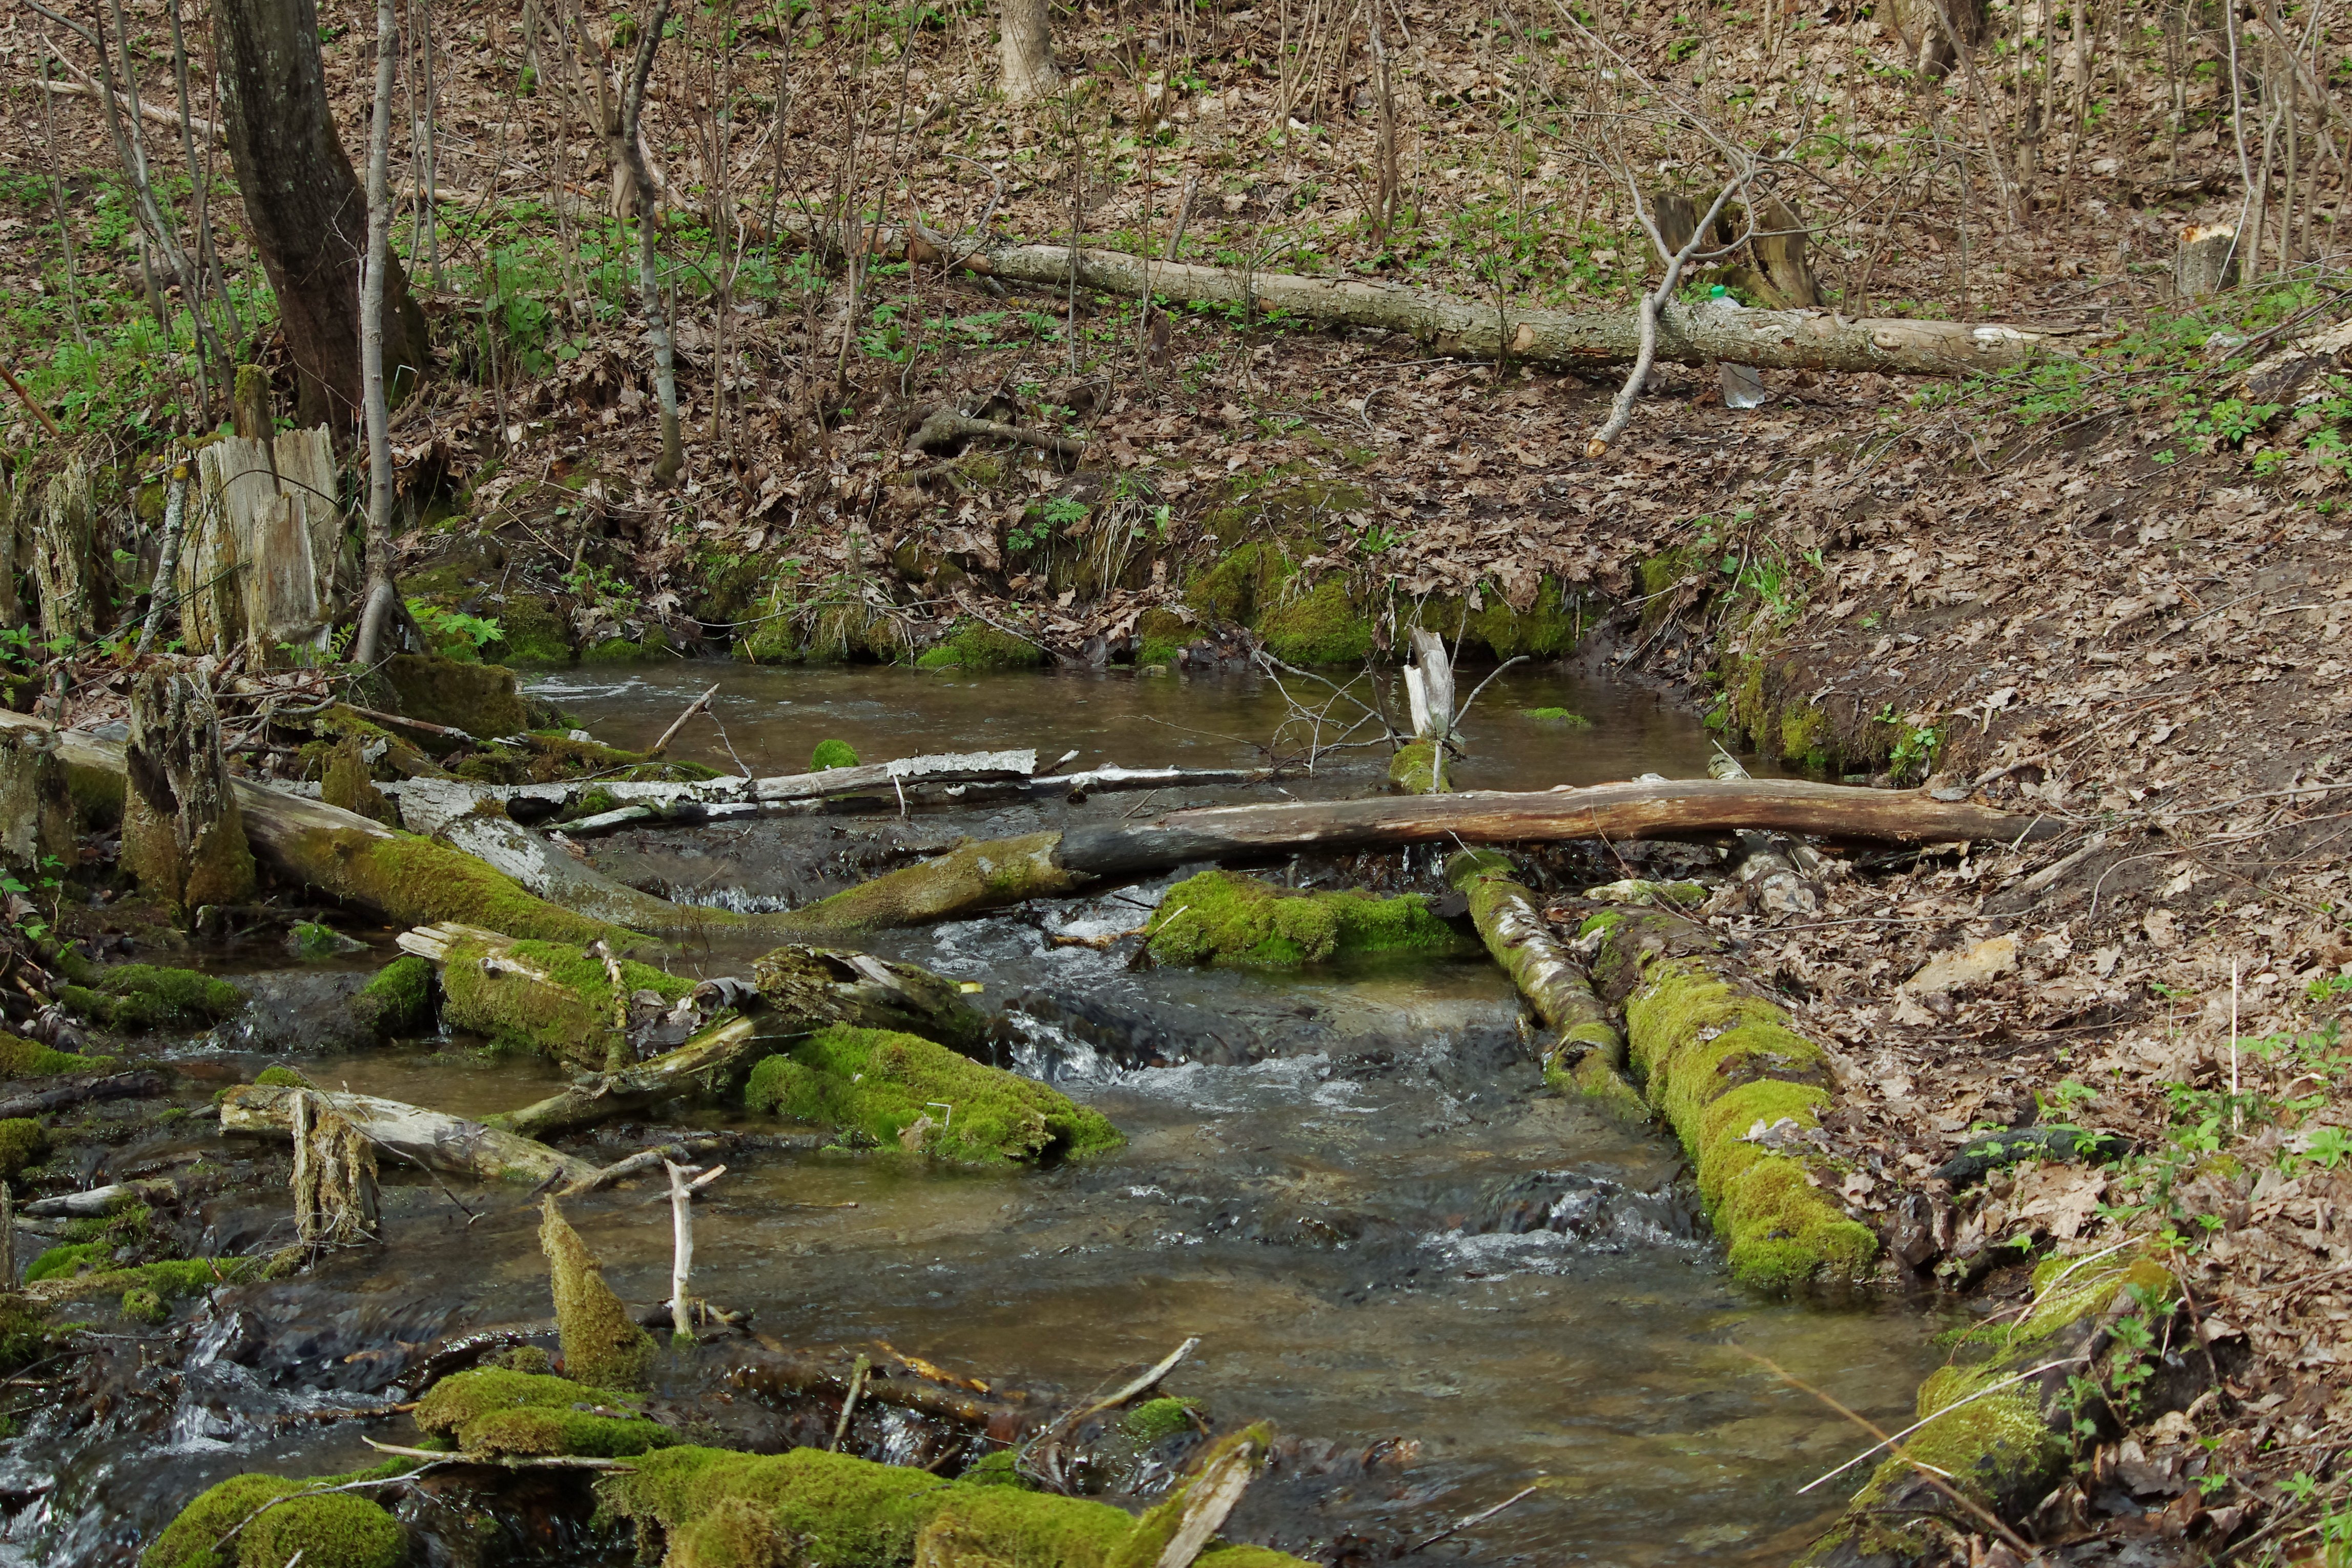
x=183 y=834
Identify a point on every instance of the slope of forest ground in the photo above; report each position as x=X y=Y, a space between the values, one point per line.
x=2111 y=589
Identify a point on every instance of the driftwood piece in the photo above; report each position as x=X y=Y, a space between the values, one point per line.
x=264 y=559
x=713 y=1058
x=450 y=1146
x=697 y=706
x=999 y=872
x=183 y=831
x=92 y=1202
x=1690 y=331
x=114 y=1086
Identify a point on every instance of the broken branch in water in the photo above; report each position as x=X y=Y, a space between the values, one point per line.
x=432 y=1139
x=1459 y=1525
x=697 y=706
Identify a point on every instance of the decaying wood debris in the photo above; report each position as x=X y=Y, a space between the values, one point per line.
x=432 y=1140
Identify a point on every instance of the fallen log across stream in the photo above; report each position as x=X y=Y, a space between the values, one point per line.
x=999 y=872
x=450 y=1146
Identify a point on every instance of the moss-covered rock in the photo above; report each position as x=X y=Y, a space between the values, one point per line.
x=550 y=997
x=831 y=755
x=144 y=1304
x=1157 y=1418
x=1560 y=716
x=514 y=1415
x=479 y=698
x=1322 y=626
x=975 y=645
x=132 y=996
x=399 y=1000
x=20 y=1058
x=328 y=1529
x=530 y=632
x=280 y=1078
x=901 y=1091
x=602 y=1346
x=1220 y=918
x=1159 y=635
x=23 y=1141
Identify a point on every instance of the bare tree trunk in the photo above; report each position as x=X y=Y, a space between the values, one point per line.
x=630 y=151
x=305 y=208
x=165 y=590
x=367 y=648
x=1026 y=40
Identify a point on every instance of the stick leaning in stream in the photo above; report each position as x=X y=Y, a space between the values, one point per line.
x=1000 y=872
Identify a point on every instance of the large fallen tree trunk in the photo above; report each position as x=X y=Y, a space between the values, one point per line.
x=450 y=1146
x=1690 y=331
x=998 y=872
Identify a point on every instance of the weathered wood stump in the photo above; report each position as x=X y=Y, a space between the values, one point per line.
x=335 y=1175
x=59 y=529
x=264 y=557
x=183 y=835
x=36 y=812
x=2207 y=262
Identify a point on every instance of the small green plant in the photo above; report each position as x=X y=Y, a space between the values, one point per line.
x=1914 y=750
x=446 y=626
x=47 y=882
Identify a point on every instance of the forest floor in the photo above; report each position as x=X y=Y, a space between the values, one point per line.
x=2112 y=590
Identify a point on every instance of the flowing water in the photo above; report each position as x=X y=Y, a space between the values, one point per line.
x=1441 y=1281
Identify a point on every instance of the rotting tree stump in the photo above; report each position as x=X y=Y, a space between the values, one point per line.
x=182 y=835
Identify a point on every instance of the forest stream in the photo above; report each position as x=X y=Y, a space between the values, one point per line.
x=1440 y=1280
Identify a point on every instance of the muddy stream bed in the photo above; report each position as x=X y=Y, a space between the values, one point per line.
x=1440 y=1280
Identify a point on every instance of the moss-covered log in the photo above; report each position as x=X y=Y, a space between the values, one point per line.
x=706 y=1064
x=554 y=998
x=1741 y=1088
x=1997 y=1423
x=547 y=872
x=435 y=1139
x=1585 y=1050
x=713 y=1507
x=1220 y=918
x=602 y=1345
x=182 y=832
x=968 y=880
x=899 y=1091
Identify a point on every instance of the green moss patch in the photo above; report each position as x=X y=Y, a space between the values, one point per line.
x=479 y=698
x=23 y=1141
x=20 y=1058
x=506 y=1413
x=831 y=755
x=716 y=1509
x=989 y=875
x=975 y=645
x=901 y=1092
x=398 y=1001
x=1718 y=1064
x=1414 y=769
x=1560 y=716
x=1319 y=627
x=1157 y=1418
x=1220 y=918
x=329 y=1530
x=133 y=996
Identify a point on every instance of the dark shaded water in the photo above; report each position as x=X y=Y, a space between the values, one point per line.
x=1353 y=1187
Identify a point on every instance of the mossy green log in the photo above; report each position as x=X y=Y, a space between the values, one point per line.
x=1221 y=918
x=1415 y=768
x=502 y=1414
x=602 y=1345
x=717 y=1509
x=21 y=1058
x=133 y=996
x=988 y=874
x=1718 y=1061
x=550 y=997
x=903 y=1091
x=329 y=1530
x=1996 y=1428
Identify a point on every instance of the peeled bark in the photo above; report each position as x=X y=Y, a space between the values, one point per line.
x=450 y=1146
x=183 y=834
x=304 y=207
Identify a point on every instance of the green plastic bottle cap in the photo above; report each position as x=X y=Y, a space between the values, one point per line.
x=1717 y=292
